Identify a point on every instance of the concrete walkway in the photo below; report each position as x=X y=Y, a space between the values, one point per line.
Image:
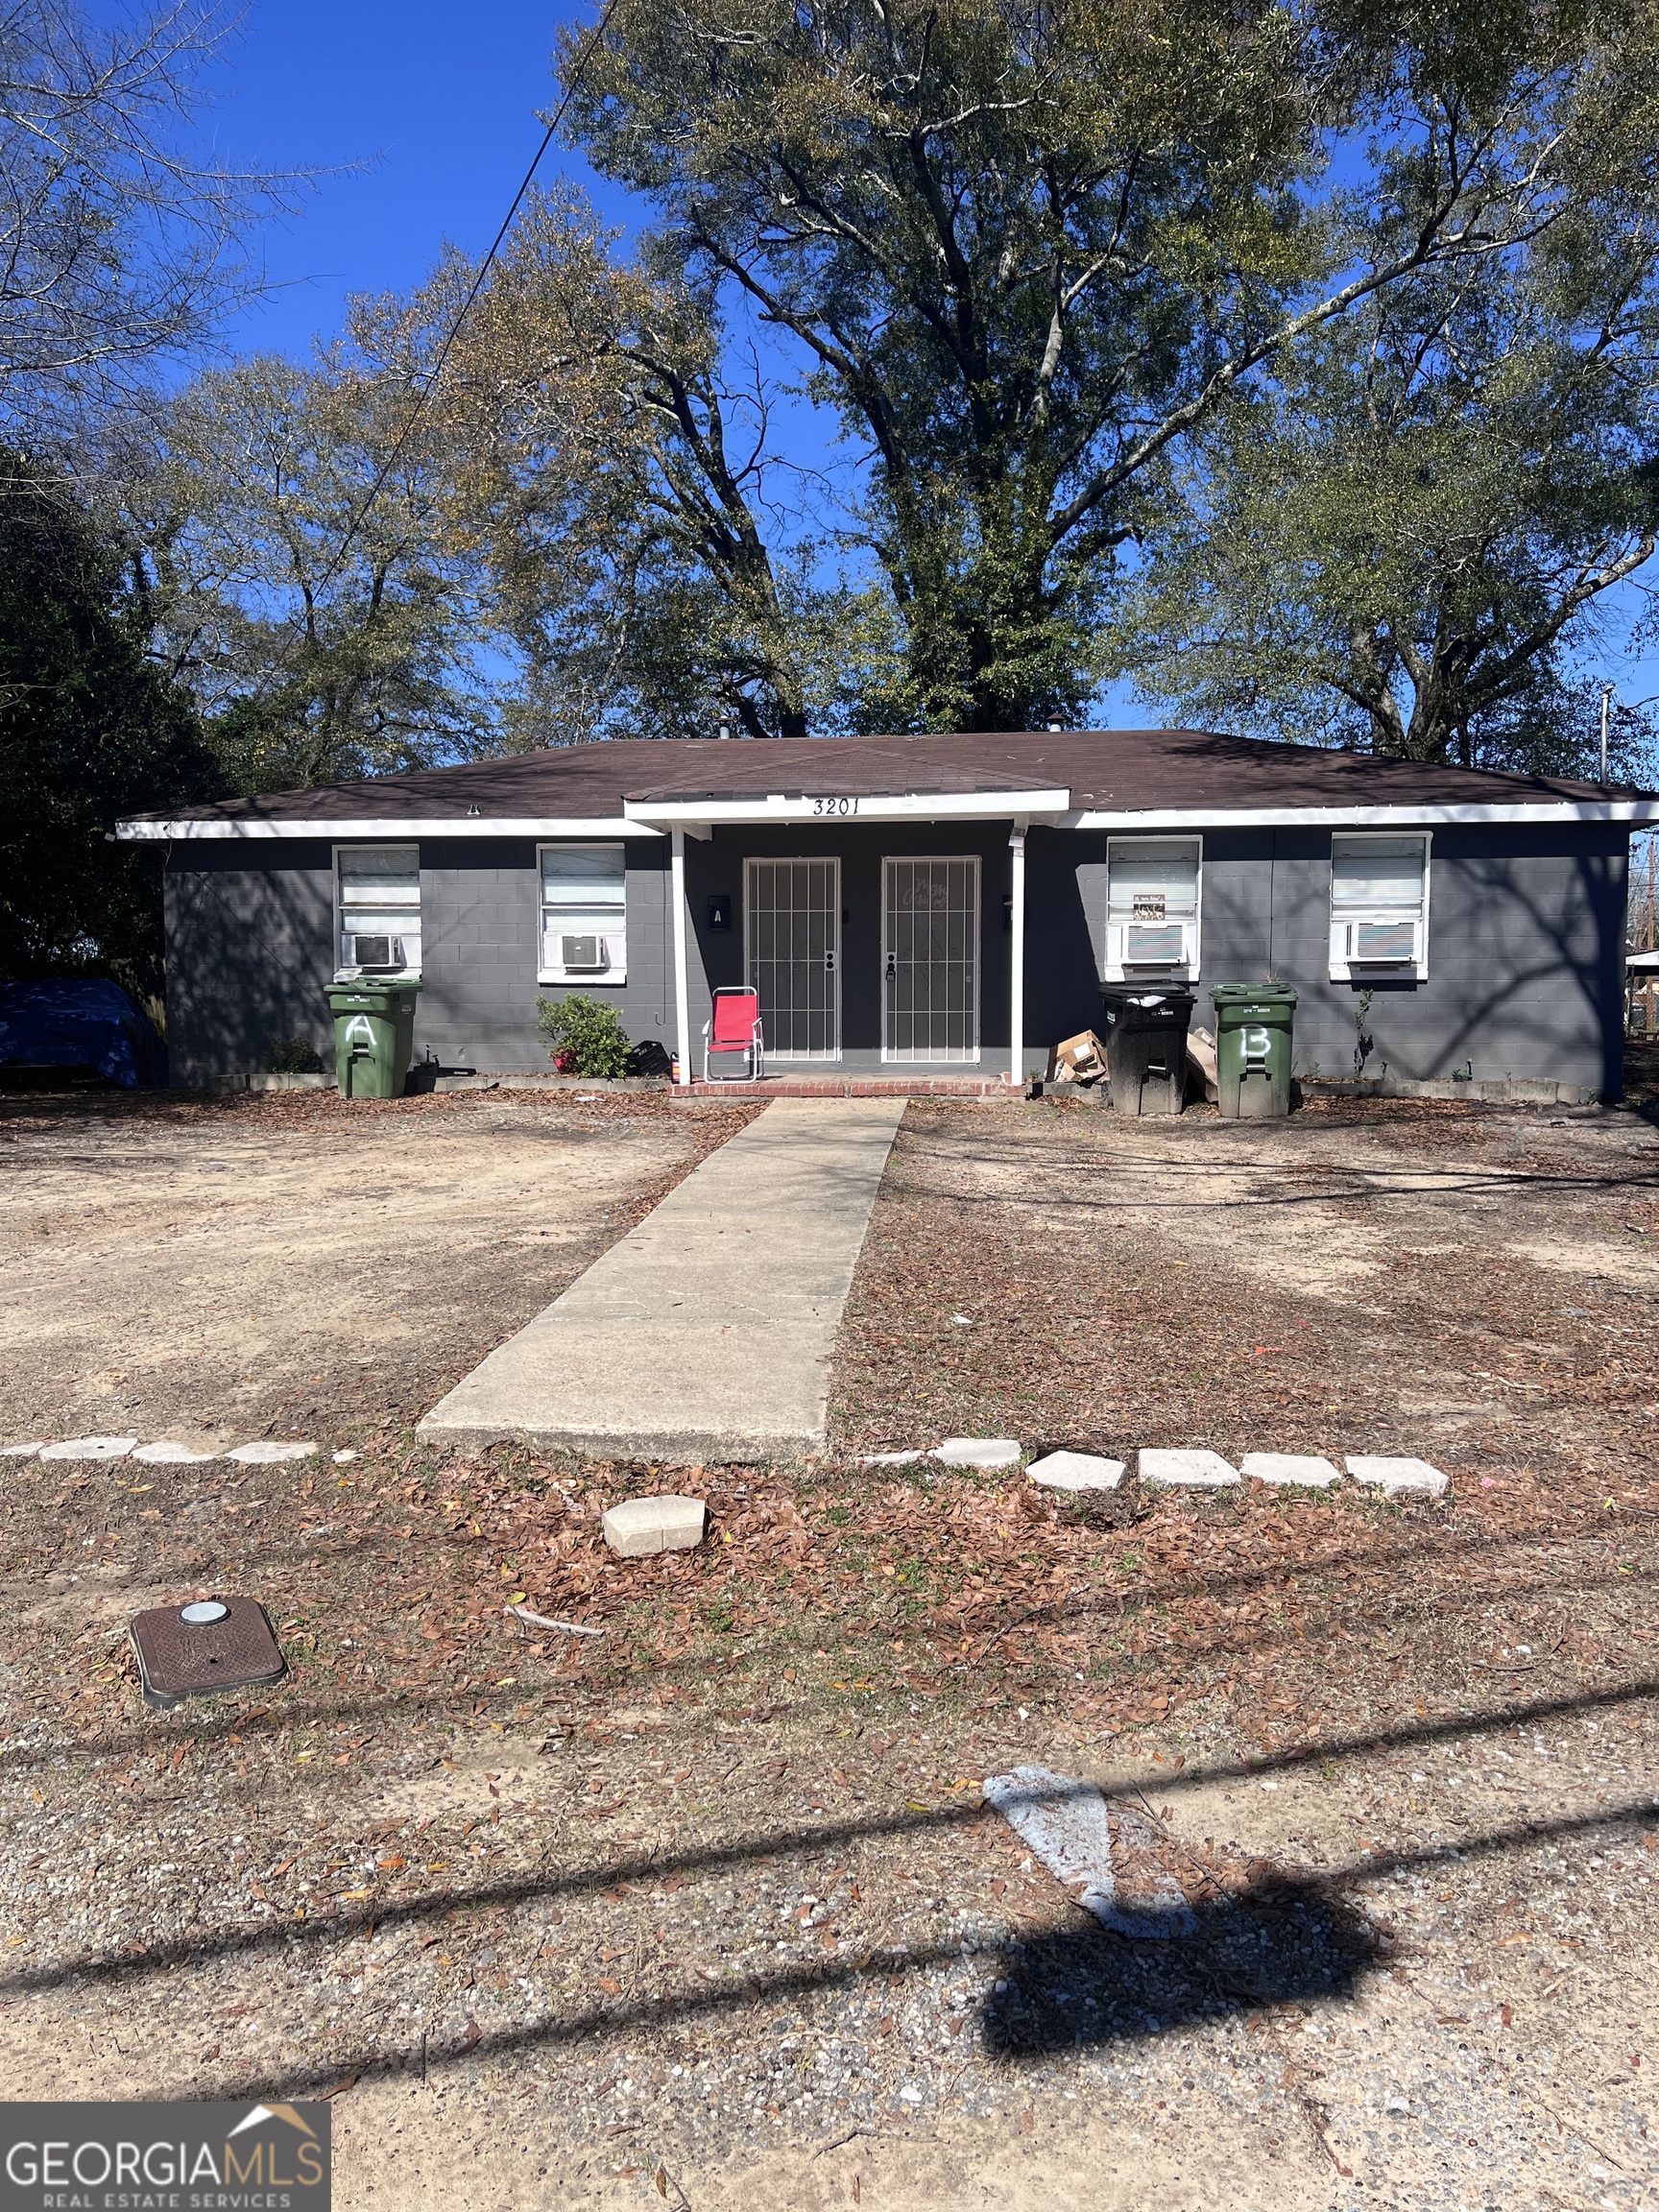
x=706 y=1332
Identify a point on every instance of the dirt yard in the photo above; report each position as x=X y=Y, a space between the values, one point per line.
x=286 y=1263
x=707 y=1910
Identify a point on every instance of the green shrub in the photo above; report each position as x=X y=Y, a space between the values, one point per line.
x=585 y=1037
x=293 y=1056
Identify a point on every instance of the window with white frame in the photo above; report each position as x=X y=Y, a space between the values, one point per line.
x=1152 y=907
x=1379 y=906
x=584 y=914
x=378 y=910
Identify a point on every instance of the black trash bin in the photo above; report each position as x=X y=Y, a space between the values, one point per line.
x=1147 y=1049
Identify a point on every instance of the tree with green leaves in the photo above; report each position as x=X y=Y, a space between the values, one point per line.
x=324 y=634
x=615 y=471
x=1027 y=252
x=89 y=731
x=1403 y=543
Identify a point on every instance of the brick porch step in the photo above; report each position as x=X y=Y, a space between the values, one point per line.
x=855 y=1087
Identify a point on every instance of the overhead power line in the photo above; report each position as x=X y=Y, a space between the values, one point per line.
x=430 y=385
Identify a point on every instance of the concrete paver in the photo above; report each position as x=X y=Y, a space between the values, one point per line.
x=706 y=1332
x=1305 y=1469
x=1077 y=1471
x=639 y=1527
x=1187 y=1470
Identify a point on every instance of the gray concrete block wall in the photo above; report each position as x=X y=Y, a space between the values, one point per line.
x=250 y=949
x=1524 y=952
x=1526 y=949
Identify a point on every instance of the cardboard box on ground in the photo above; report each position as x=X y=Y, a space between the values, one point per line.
x=1082 y=1059
x=1201 y=1052
x=1079 y=1059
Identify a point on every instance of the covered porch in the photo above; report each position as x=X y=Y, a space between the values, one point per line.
x=885 y=935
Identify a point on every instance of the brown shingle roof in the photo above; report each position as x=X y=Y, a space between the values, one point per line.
x=1112 y=770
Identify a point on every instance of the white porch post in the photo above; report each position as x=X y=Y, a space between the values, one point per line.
x=682 y=993
x=1017 y=963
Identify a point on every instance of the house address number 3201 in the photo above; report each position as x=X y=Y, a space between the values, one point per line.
x=834 y=806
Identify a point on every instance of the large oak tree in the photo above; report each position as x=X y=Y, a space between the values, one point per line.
x=1027 y=251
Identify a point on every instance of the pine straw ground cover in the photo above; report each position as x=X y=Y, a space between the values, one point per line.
x=717 y=1879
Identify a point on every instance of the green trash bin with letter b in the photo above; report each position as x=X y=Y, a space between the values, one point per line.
x=1255 y=1024
x=374 y=1035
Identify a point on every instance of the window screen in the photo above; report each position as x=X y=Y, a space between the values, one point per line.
x=1378 y=905
x=1152 y=906
x=584 y=914
x=379 y=910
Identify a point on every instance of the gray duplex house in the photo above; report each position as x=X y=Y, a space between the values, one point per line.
x=915 y=905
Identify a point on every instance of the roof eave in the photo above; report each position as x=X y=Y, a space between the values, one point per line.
x=409 y=829
x=1423 y=814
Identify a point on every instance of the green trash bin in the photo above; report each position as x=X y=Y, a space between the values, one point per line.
x=1254 y=1030
x=374 y=1035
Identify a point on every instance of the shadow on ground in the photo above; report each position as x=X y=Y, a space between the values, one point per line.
x=1283 y=1940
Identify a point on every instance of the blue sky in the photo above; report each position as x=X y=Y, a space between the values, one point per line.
x=425 y=114
x=422 y=116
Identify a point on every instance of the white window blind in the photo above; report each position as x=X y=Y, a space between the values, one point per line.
x=1152 y=907
x=584 y=914
x=1379 y=906
x=379 y=909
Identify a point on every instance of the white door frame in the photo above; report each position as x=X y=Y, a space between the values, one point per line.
x=832 y=861
x=970 y=1055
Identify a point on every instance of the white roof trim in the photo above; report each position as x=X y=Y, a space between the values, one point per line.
x=1364 y=817
x=336 y=829
x=851 y=807
x=647 y=818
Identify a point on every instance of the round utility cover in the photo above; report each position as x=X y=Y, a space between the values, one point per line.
x=204 y=1610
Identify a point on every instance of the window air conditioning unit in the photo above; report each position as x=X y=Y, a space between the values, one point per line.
x=582 y=955
x=1161 y=947
x=376 y=952
x=1388 y=943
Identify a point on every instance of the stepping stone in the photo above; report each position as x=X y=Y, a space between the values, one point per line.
x=171 y=1452
x=1305 y=1469
x=978 y=1452
x=265 y=1454
x=1398 y=1477
x=639 y=1527
x=89 y=1448
x=1077 y=1471
x=18 y=1451
x=1188 y=1471
x=890 y=1458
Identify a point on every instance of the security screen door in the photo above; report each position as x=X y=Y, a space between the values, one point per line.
x=792 y=952
x=931 y=959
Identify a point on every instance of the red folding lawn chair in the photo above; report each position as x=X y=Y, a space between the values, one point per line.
x=735 y=1027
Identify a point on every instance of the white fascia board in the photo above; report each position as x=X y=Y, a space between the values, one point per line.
x=851 y=806
x=1365 y=817
x=337 y=828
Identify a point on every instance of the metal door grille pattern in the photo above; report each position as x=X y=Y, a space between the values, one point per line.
x=931 y=959
x=792 y=933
